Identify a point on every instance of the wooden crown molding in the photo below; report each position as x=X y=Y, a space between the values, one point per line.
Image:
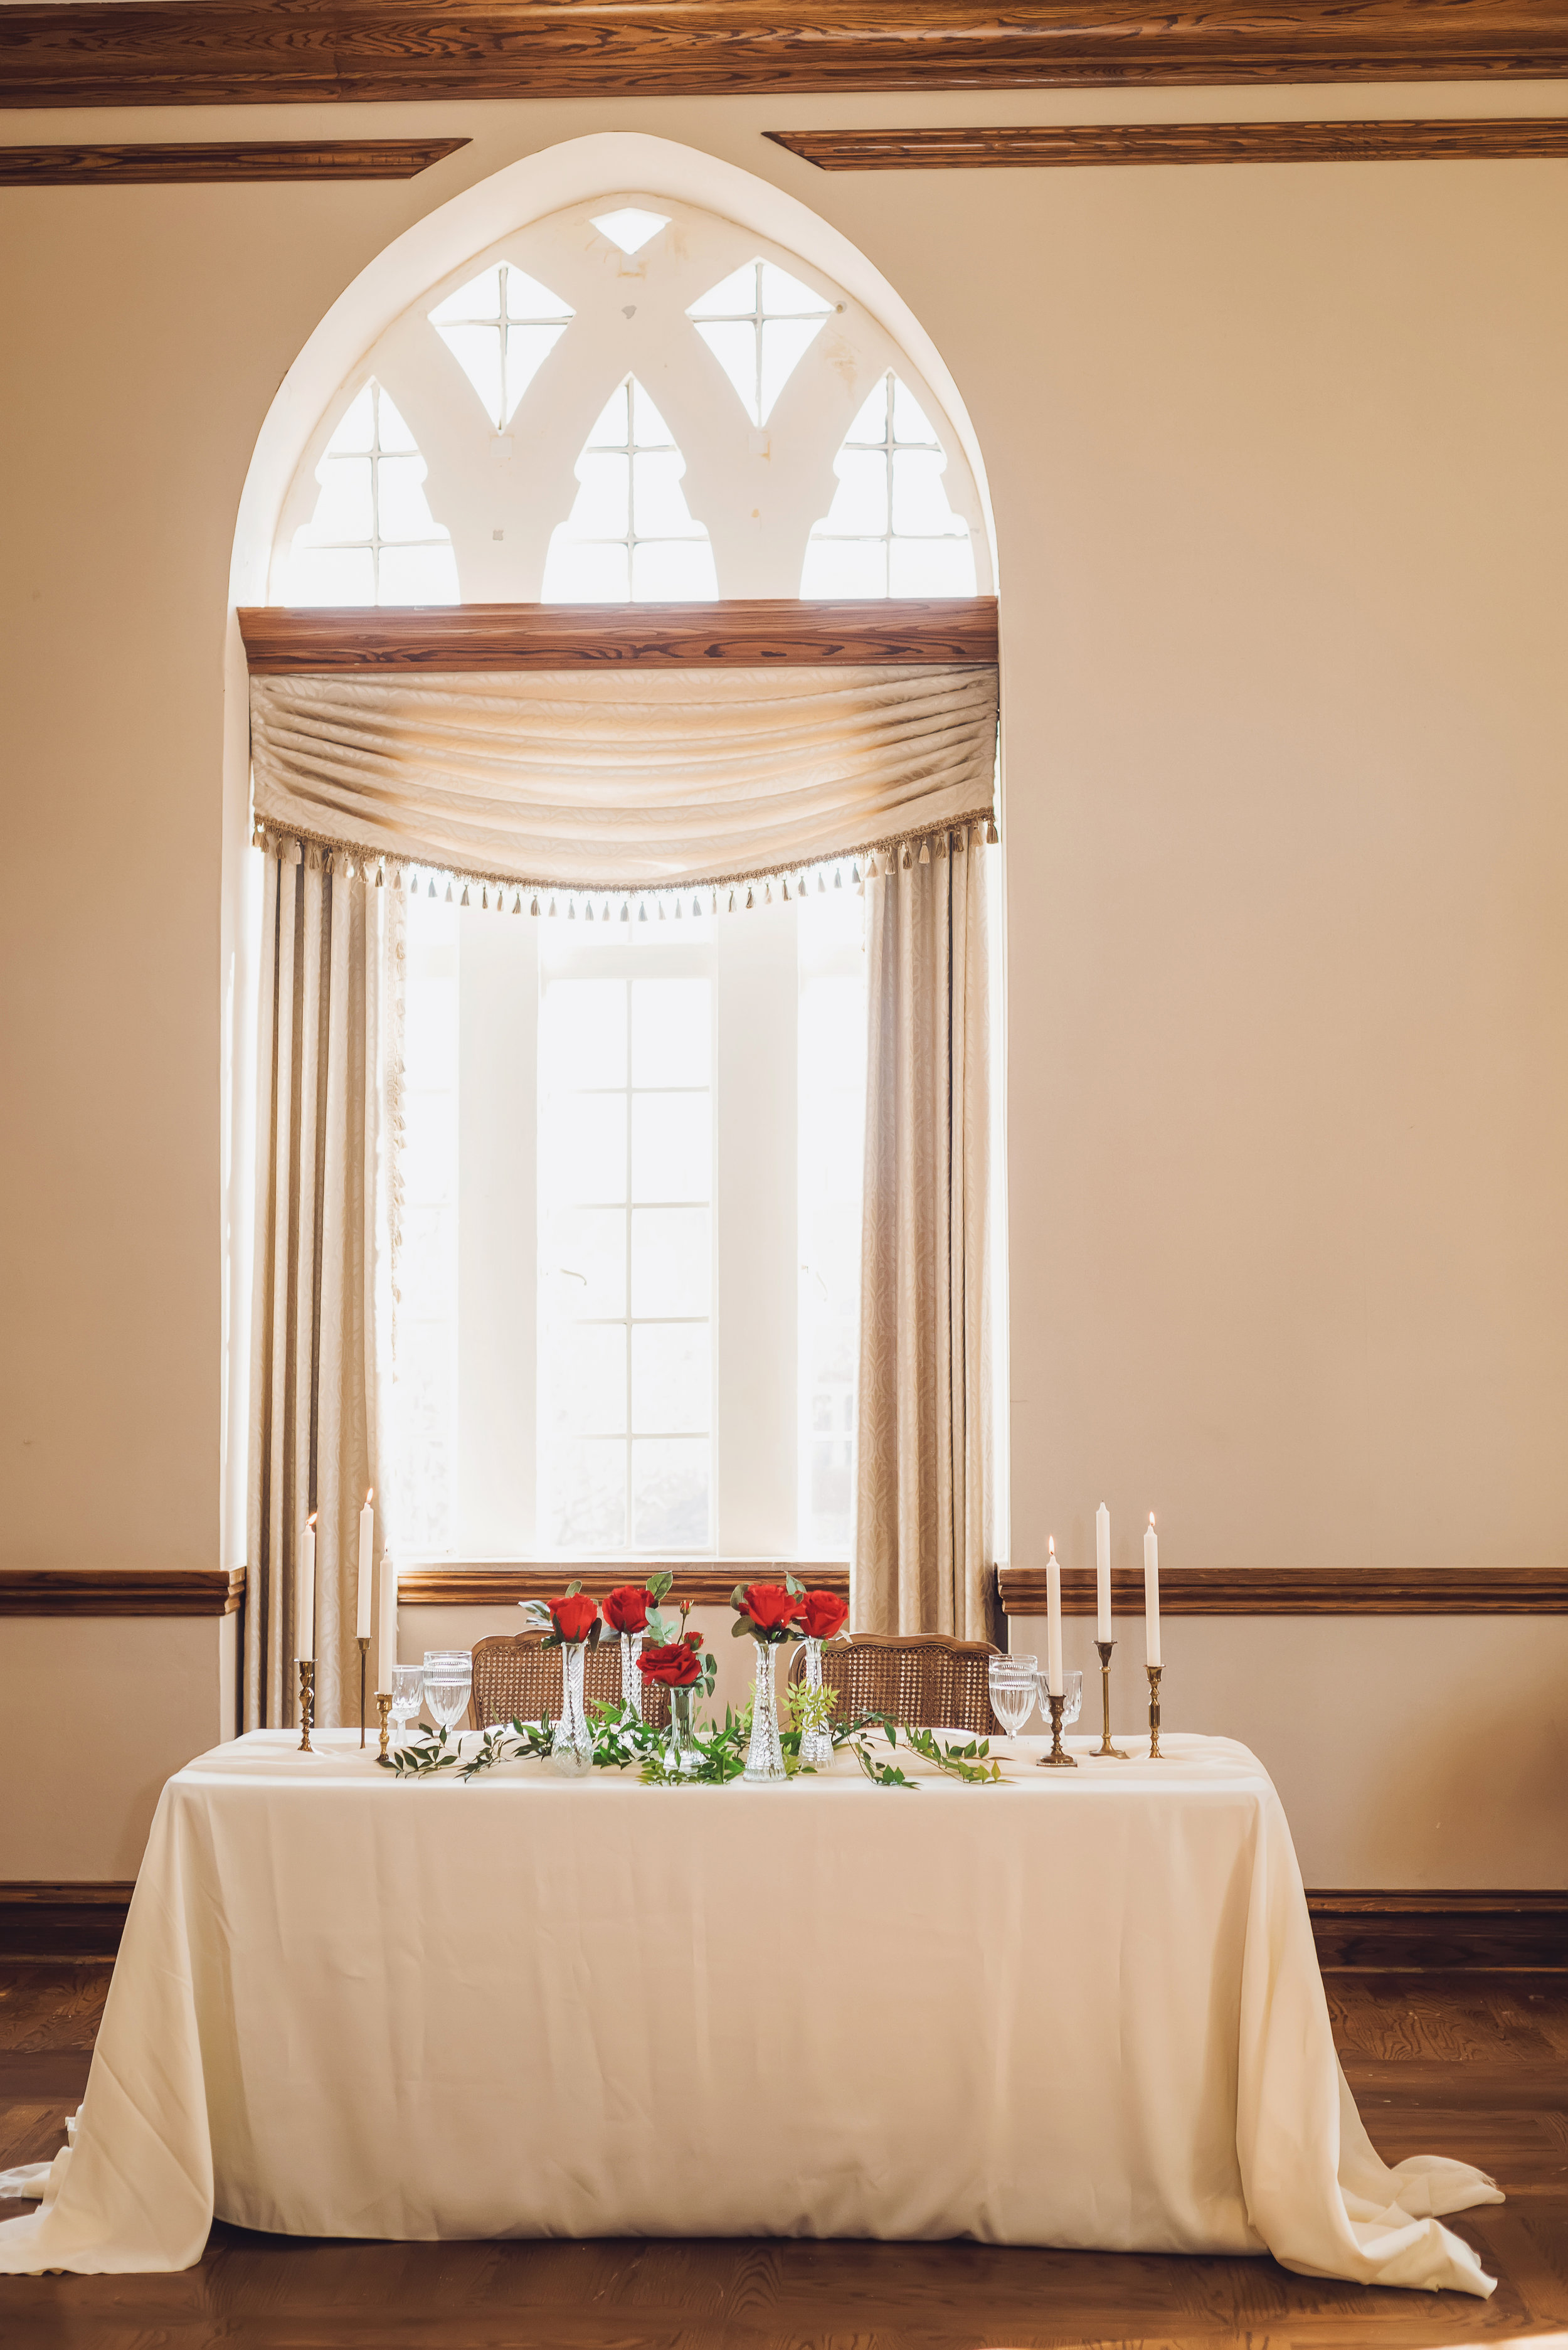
x=140 y=1591
x=174 y=163
x=1300 y=1591
x=1040 y=146
x=756 y=632
x=707 y=1584
x=239 y=52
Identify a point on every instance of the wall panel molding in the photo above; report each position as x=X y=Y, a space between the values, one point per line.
x=133 y=1591
x=1040 y=146
x=1302 y=1591
x=240 y=52
x=60 y=1922
x=185 y=162
x=752 y=631
x=707 y=1582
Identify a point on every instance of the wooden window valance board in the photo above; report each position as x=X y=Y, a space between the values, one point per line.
x=624 y=749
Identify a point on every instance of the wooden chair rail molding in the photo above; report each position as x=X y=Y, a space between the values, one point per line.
x=1302 y=1591
x=188 y=161
x=280 y=641
x=258 y=52
x=128 y=1591
x=1039 y=146
x=707 y=1582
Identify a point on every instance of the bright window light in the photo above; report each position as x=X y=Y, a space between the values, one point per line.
x=373 y=538
x=630 y=536
x=890 y=530
x=501 y=327
x=631 y=227
x=759 y=323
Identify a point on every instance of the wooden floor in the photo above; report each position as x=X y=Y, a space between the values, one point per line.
x=1474 y=2065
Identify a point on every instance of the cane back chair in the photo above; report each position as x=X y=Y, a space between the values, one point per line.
x=922 y=1679
x=516 y=1676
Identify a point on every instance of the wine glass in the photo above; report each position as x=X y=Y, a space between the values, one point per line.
x=449 y=1677
x=1012 y=1685
x=1073 y=1694
x=407 y=1691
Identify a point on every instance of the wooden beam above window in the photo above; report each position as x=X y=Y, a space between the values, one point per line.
x=281 y=640
x=163 y=164
x=264 y=52
x=1040 y=146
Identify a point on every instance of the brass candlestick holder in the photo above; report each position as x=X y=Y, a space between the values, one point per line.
x=383 y=1708
x=1154 y=1672
x=1057 y=1760
x=306 y=1702
x=1105 y=1746
x=363 y=1639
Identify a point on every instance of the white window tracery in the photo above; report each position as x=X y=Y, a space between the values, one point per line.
x=501 y=327
x=371 y=538
x=630 y=536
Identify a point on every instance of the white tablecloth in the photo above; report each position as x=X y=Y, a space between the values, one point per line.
x=1080 y=2009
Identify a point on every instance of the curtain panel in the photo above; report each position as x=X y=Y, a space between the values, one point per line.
x=922 y=1554
x=329 y=1074
x=624 y=781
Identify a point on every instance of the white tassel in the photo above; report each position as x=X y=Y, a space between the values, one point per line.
x=534 y=906
x=909 y=860
x=484 y=898
x=697 y=906
x=589 y=911
x=750 y=901
x=925 y=852
x=625 y=911
x=381 y=877
x=991 y=833
x=463 y=900
x=660 y=905
x=642 y=909
x=821 y=883
x=732 y=906
x=784 y=893
x=838 y=877
x=943 y=849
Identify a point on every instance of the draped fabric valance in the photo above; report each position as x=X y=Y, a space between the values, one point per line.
x=624 y=780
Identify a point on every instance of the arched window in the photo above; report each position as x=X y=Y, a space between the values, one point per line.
x=627 y=402
x=631 y=1173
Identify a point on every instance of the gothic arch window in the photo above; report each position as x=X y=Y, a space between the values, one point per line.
x=632 y=401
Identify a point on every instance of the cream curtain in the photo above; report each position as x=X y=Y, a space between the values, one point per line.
x=616 y=780
x=923 y=1503
x=328 y=1062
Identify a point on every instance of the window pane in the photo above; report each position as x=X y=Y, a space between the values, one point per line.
x=671 y=1147
x=585 y=575
x=477 y=350
x=418 y=575
x=669 y=1378
x=611 y=429
x=734 y=346
x=910 y=421
x=585 y=1502
x=585 y=1393
x=583 y=1148
x=527 y=349
x=860 y=506
x=845 y=567
x=670 y=1032
x=331 y=576
x=661 y=508
x=602 y=509
x=480 y=298
x=585 y=1033
x=404 y=508
x=672 y=1260
x=674 y=571
x=930 y=566
x=785 y=342
x=670 y=1493
x=344 y=508
x=921 y=507
x=582 y=1262
x=357 y=428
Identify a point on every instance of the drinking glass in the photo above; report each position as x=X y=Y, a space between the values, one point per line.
x=408 y=1692
x=1073 y=1691
x=449 y=1677
x=1013 y=1681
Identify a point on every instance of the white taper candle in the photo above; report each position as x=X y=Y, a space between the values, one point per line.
x=387 y=1645
x=305 y=1594
x=1102 y=1572
x=1151 y=1593
x=366 y=1566
x=1055 y=1686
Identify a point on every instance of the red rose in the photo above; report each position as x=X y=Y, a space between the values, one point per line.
x=677 y=1665
x=573 y=1615
x=770 y=1607
x=626 y=1608
x=822 y=1614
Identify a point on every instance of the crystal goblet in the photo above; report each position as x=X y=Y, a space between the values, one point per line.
x=448 y=1679
x=1013 y=1681
x=408 y=1694
x=1073 y=1693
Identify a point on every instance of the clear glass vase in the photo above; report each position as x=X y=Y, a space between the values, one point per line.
x=682 y=1752
x=815 y=1745
x=631 y=1678
x=764 y=1756
x=572 y=1748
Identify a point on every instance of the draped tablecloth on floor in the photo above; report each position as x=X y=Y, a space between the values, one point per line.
x=1080 y=2009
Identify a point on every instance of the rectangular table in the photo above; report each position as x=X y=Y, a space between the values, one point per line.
x=1079 y=2009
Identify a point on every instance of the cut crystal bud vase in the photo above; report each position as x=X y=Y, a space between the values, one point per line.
x=631 y=1678
x=815 y=1745
x=681 y=1753
x=764 y=1757
x=572 y=1748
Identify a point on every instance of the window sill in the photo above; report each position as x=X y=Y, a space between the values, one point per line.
x=706 y=1582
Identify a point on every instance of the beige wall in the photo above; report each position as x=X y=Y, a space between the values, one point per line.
x=1280 y=479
